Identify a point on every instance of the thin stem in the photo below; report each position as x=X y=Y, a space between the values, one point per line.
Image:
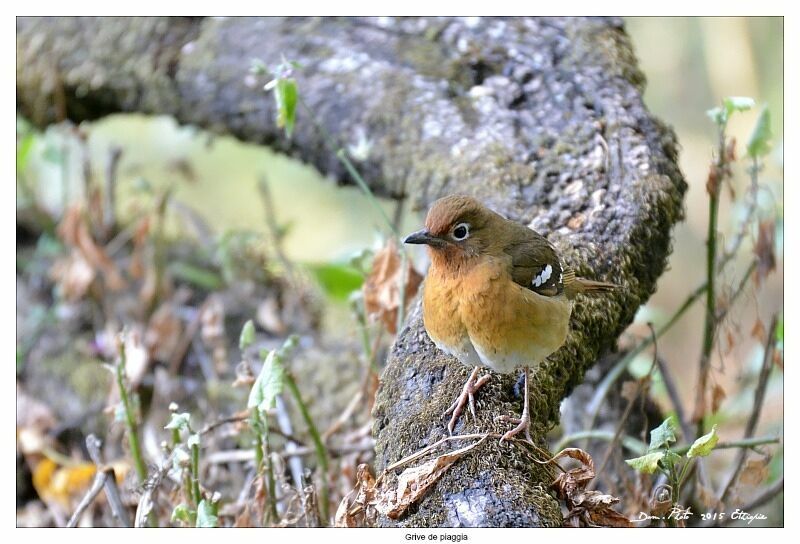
x=620 y=426
x=364 y=334
x=718 y=171
x=97 y=485
x=109 y=195
x=130 y=418
x=634 y=445
x=733 y=249
x=319 y=447
x=160 y=249
x=262 y=451
x=758 y=403
x=676 y=497
x=638 y=447
x=273 y=227
x=195 y=469
x=605 y=386
x=112 y=491
x=745 y=443
x=740 y=288
x=341 y=155
x=767 y=495
x=674 y=397
x=273 y=500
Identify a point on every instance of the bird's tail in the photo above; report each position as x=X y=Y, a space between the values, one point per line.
x=574 y=285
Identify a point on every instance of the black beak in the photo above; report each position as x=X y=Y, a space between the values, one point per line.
x=423 y=237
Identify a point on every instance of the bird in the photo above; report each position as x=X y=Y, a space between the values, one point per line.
x=496 y=296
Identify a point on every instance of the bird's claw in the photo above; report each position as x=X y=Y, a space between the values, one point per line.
x=467 y=396
x=523 y=425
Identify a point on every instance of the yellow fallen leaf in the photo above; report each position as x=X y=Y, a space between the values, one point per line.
x=61 y=484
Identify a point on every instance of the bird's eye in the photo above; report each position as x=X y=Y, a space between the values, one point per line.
x=461 y=231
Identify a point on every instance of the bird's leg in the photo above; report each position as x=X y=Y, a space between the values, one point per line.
x=467 y=395
x=524 y=421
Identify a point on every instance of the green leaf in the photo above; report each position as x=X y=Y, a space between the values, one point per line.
x=730 y=104
x=205 y=279
x=646 y=464
x=257 y=67
x=181 y=513
x=248 y=335
x=24 y=147
x=738 y=103
x=337 y=280
x=663 y=434
x=180 y=458
x=179 y=421
x=268 y=384
x=704 y=445
x=206 y=517
x=669 y=459
x=286 y=102
x=759 y=143
x=717 y=115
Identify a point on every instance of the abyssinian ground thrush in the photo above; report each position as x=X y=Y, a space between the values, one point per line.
x=496 y=295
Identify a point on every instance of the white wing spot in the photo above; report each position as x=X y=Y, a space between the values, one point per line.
x=543 y=276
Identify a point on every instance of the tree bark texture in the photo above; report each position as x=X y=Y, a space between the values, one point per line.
x=541 y=119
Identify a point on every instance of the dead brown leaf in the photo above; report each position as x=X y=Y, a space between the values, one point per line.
x=137 y=266
x=415 y=481
x=164 y=333
x=731 y=342
x=137 y=358
x=268 y=316
x=371 y=496
x=718 y=395
x=73 y=274
x=630 y=390
x=593 y=508
x=758 y=331
x=765 y=250
x=74 y=231
x=777 y=358
x=382 y=286
x=755 y=471
x=577 y=478
x=707 y=497
x=212 y=330
x=34 y=421
x=357 y=508
x=661 y=501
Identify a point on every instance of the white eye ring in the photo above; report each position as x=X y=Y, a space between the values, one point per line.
x=465 y=226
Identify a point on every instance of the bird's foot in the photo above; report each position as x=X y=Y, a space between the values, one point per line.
x=523 y=425
x=467 y=395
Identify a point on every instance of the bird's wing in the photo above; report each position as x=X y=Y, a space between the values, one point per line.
x=535 y=263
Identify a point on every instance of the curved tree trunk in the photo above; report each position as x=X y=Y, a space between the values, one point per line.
x=542 y=119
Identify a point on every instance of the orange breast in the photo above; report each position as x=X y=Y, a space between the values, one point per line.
x=483 y=318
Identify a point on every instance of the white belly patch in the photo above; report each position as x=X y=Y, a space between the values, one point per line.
x=465 y=353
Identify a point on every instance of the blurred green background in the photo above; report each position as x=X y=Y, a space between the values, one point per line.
x=690 y=64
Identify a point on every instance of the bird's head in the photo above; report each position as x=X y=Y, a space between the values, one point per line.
x=458 y=227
